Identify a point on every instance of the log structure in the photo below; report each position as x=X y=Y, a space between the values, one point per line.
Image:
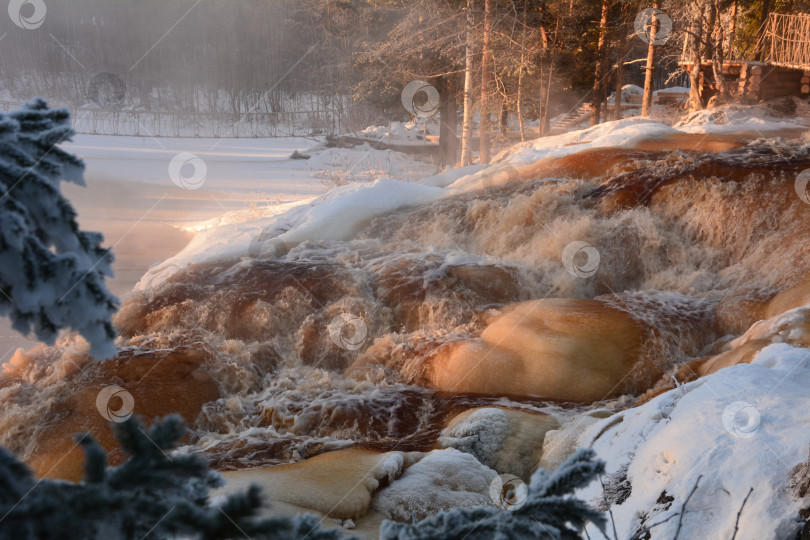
x=754 y=81
x=785 y=70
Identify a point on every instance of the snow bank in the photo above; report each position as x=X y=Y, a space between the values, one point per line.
x=628 y=90
x=338 y=166
x=617 y=133
x=403 y=132
x=448 y=177
x=610 y=134
x=442 y=480
x=243 y=215
x=744 y=427
x=338 y=215
x=672 y=90
x=734 y=118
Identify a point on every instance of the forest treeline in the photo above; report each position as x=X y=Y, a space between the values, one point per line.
x=529 y=58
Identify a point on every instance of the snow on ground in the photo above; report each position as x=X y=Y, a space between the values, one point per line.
x=761 y=117
x=610 y=134
x=672 y=90
x=741 y=428
x=616 y=134
x=403 y=132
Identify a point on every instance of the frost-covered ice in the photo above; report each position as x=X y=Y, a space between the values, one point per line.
x=693 y=432
x=442 y=480
x=241 y=167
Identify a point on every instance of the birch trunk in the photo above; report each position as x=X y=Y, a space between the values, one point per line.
x=646 y=103
x=467 y=123
x=487 y=68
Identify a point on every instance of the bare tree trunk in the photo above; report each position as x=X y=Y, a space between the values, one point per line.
x=503 y=119
x=545 y=72
x=467 y=124
x=717 y=54
x=620 y=52
x=766 y=10
x=732 y=30
x=708 y=43
x=487 y=74
x=520 y=107
x=695 y=101
x=448 y=109
x=520 y=74
x=599 y=74
x=646 y=102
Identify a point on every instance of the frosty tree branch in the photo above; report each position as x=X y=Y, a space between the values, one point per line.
x=51 y=272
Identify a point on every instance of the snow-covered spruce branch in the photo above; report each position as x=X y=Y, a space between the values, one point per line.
x=152 y=493
x=550 y=511
x=166 y=496
x=51 y=272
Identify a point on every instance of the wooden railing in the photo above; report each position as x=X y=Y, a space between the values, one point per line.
x=786 y=40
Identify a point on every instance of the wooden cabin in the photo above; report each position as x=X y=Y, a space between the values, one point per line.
x=784 y=70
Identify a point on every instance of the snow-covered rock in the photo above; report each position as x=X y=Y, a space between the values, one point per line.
x=442 y=480
x=509 y=441
x=743 y=428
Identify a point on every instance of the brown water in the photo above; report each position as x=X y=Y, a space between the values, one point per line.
x=455 y=298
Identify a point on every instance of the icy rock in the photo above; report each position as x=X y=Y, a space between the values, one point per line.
x=442 y=480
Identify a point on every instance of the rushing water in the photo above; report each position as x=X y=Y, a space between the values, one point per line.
x=690 y=244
